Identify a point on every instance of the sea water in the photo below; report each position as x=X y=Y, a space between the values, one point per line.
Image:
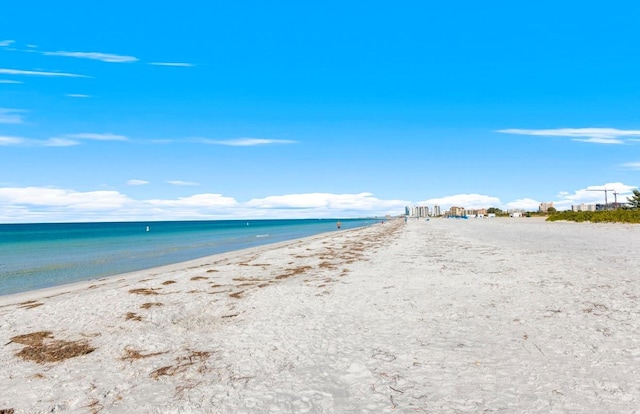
x=34 y=256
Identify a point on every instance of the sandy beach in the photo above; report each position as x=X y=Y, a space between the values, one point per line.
x=439 y=316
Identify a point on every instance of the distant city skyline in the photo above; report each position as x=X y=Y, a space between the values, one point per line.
x=294 y=110
x=430 y=210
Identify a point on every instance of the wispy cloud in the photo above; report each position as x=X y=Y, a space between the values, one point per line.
x=6 y=141
x=11 y=116
x=135 y=182
x=98 y=137
x=26 y=142
x=104 y=57
x=59 y=142
x=246 y=142
x=597 y=140
x=78 y=95
x=178 y=64
x=70 y=140
x=631 y=165
x=182 y=183
x=10 y=81
x=592 y=135
x=62 y=141
x=39 y=73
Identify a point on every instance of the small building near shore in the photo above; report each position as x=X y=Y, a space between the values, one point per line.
x=583 y=207
x=456 y=211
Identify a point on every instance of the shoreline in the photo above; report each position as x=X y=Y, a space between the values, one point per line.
x=438 y=316
x=80 y=285
x=34 y=258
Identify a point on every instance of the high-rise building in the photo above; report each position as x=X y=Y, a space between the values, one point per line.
x=416 y=211
x=436 y=212
x=544 y=207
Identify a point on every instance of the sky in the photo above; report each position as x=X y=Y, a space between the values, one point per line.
x=247 y=109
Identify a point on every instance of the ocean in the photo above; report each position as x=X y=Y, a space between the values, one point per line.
x=35 y=256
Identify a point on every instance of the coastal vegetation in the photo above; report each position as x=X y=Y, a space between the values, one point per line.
x=630 y=213
x=608 y=216
x=498 y=212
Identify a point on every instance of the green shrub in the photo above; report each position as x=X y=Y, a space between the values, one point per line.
x=609 y=216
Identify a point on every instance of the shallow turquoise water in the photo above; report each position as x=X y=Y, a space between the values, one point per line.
x=34 y=256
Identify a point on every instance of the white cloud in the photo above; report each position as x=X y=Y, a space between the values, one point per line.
x=526 y=204
x=10 y=81
x=197 y=200
x=78 y=95
x=104 y=57
x=58 y=142
x=463 y=200
x=6 y=42
x=177 y=64
x=39 y=73
x=327 y=204
x=10 y=116
x=69 y=199
x=562 y=201
x=246 y=142
x=240 y=142
x=182 y=183
x=98 y=137
x=43 y=204
x=592 y=135
x=6 y=141
x=63 y=141
x=597 y=140
x=631 y=165
x=33 y=204
x=593 y=194
x=39 y=204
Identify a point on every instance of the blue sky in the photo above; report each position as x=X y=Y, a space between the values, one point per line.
x=298 y=109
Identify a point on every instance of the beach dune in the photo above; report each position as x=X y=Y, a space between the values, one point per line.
x=496 y=315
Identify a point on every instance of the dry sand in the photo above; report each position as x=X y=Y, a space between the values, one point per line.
x=495 y=315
